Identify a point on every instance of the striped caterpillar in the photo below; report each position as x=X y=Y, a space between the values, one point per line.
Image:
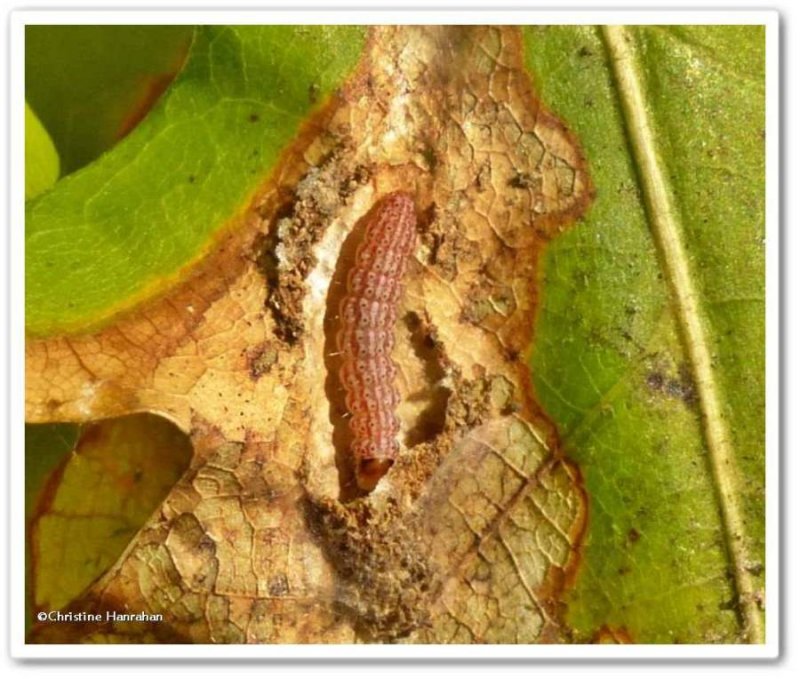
x=368 y=314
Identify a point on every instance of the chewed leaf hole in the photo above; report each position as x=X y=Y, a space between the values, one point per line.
x=431 y=399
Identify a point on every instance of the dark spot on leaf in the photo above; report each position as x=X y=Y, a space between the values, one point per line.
x=261 y=359
x=683 y=390
x=754 y=567
x=313 y=93
x=584 y=52
x=522 y=180
x=192 y=179
x=429 y=154
x=254 y=117
x=279 y=585
x=206 y=544
x=634 y=535
x=655 y=381
x=680 y=387
x=359 y=177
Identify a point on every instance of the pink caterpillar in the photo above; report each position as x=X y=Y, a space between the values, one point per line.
x=368 y=315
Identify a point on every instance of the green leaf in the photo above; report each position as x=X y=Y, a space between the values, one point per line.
x=90 y=84
x=41 y=157
x=128 y=464
x=127 y=226
x=650 y=340
x=46 y=448
x=46 y=445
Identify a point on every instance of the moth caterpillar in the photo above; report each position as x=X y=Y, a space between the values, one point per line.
x=368 y=313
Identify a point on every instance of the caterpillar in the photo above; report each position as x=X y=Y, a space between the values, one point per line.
x=368 y=313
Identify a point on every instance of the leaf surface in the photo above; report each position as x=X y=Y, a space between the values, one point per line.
x=479 y=531
x=96 y=500
x=672 y=448
x=181 y=178
x=41 y=158
x=474 y=532
x=92 y=85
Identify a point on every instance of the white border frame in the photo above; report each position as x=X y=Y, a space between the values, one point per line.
x=18 y=647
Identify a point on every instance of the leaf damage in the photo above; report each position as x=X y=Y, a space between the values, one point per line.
x=476 y=530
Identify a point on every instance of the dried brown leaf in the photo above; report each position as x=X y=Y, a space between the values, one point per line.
x=472 y=534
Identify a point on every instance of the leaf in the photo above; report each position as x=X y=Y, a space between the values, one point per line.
x=90 y=84
x=46 y=446
x=479 y=530
x=190 y=169
x=474 y=532
x=41 y=158
x=97 y=499
x=661 y=402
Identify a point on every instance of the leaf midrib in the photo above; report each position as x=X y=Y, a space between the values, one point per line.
x=666 y=226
